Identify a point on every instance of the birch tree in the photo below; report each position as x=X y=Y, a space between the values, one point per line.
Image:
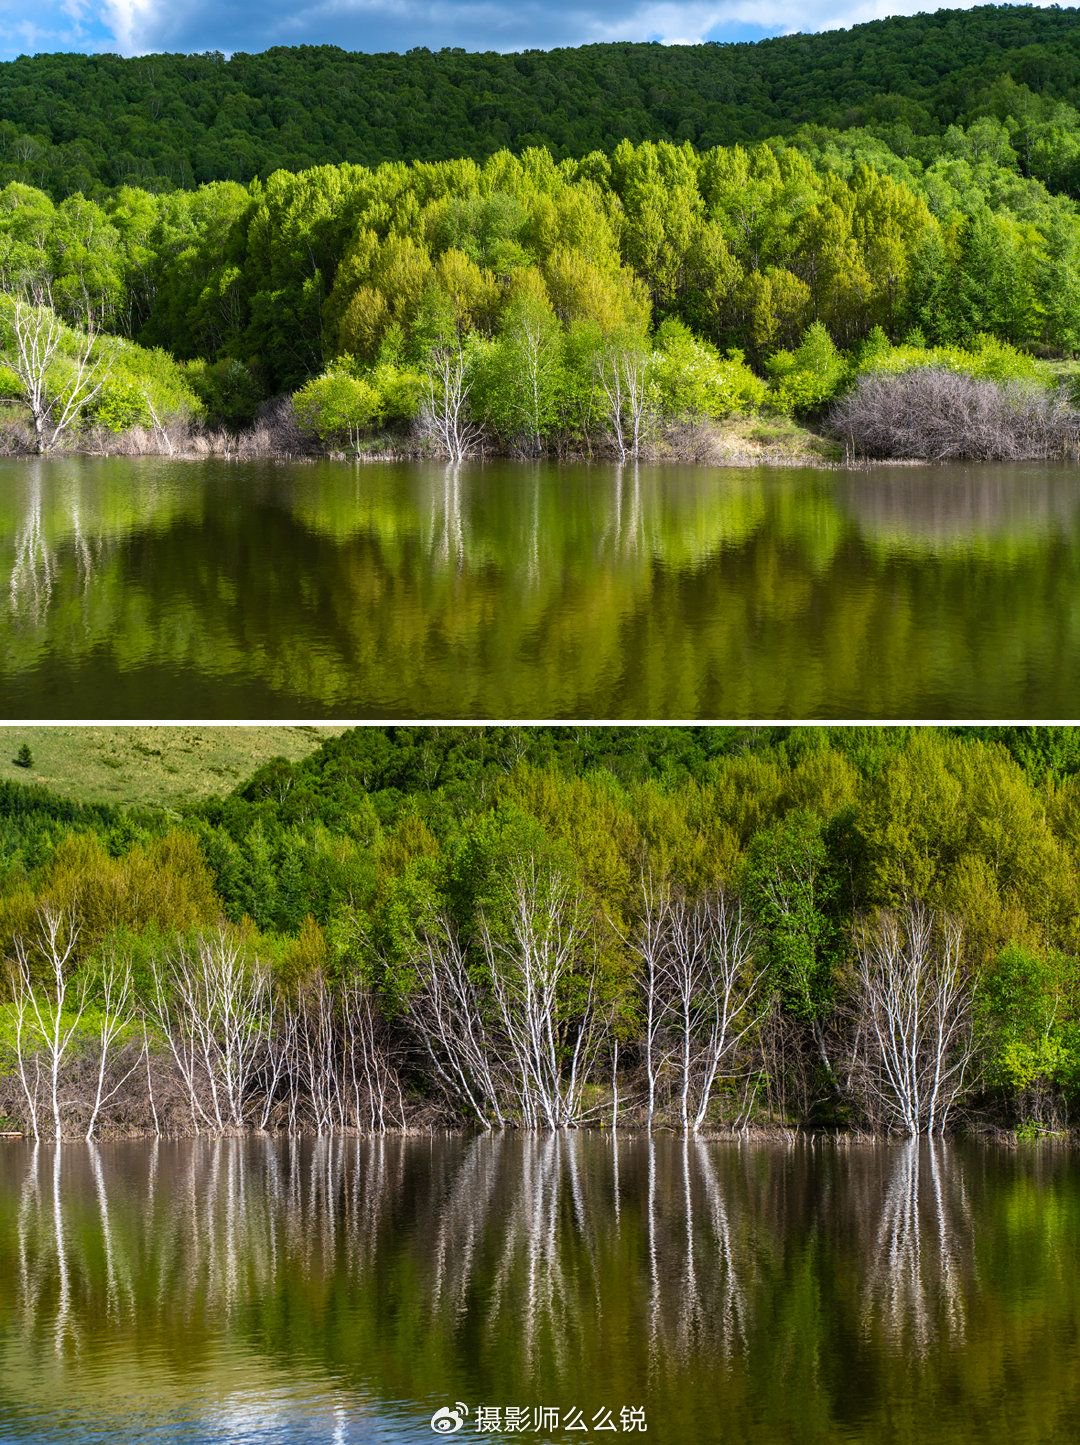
x=116 y=1014
x=623 y=377
x=448 y=1011
x=214 y=1009
x=59 y=371
x=530 y=966
x=510 y=1019
x=444 y=414
x=714 y=998
x=915 y=1010
x=48 y=1013
x=649 y=946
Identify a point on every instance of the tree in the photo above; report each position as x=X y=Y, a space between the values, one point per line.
x=913 y=998
x=713 y=998
x=59 y=374
x=338 y=407
x=116 y=1012
x=444 y=414
x=622 y=368
x=48 y=1014
x=518 y=383
x=790 y=887
x=24 y=758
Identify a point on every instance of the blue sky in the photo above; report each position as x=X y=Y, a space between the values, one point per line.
x=133 y=27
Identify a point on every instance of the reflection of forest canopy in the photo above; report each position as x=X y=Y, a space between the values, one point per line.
x=532 y=592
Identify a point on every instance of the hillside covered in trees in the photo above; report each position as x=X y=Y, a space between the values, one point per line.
x=543 y=305
x=80 y=122
x=921 y=264
x=696 y=928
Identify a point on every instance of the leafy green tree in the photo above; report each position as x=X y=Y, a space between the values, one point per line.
x=793 y=894
x=807 y=379
x=338 y=407
x=518 y=381
x=1031 y=1032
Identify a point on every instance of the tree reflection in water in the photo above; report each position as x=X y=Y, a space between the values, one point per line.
x=916 y=1289
x=34 y=565
x=566 y=1268
x=535 y=590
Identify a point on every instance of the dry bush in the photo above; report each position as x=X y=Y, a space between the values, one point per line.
x=16 y=439
x=173 y=438
x=931 y=414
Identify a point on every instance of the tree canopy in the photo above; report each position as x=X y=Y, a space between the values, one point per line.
x=81 y=122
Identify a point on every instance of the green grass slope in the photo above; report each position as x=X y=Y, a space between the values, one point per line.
x=149 y=766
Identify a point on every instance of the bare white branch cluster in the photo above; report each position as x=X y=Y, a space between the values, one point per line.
x=622 y=373
x=700 y=995
x=444 y=415
x=915 y=1005
x=496 y=1021
x=50 y=1004
x=58 y=382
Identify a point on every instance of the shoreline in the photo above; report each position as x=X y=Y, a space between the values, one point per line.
x=734 y=461
x=993 y=1135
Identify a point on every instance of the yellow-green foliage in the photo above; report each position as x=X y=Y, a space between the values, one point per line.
x=986 y=359
x=806 y=380
x=144 y=387
x=694 y=380
x=338 y=407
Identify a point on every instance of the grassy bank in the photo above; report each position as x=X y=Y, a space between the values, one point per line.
x=138 y=766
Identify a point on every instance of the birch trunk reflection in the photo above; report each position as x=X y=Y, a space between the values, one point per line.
x=151 y=1287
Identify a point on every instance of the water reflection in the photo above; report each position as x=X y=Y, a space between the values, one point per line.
x=188 y=1290
x=142 y=588
x=32 y=570
x=964 y=508
x=917 y=1287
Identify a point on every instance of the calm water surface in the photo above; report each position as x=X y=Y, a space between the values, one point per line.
x=153 y=589
x=345 y=1290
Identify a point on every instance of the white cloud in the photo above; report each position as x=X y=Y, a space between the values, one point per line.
x=132 y=23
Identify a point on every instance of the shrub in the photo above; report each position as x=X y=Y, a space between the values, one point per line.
x=806 y=380
x=399 y=390
x=337 y=407
x=931 y=414
x=693 y=380
x=120 y=404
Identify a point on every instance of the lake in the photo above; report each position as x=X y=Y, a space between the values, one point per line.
x=146 y=589
x=349 y=1289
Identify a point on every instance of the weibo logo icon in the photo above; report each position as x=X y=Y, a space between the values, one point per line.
x=448 y=1421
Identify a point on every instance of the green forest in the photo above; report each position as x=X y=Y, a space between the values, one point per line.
x=615 y=293
x=94 y=122
x=695 y=928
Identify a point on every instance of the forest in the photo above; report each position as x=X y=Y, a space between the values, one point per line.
x=872 y=234
x=610 y=304
x=697 y=929
x=91 y=123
